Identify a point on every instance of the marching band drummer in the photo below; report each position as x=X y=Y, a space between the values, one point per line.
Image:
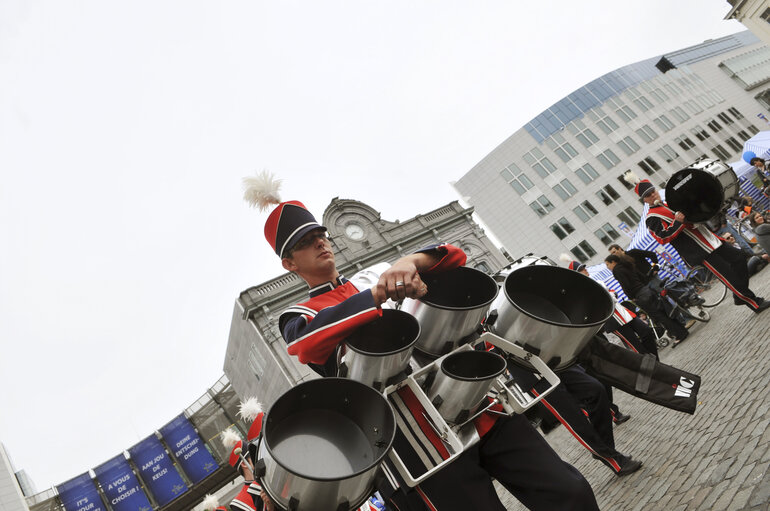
x=510 y=450
x=697 y=245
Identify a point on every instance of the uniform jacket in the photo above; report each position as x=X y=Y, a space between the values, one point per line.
x=693 y=242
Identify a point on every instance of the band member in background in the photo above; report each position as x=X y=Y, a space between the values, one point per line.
x=510 y=450
x=698 y=245
x=646 y=261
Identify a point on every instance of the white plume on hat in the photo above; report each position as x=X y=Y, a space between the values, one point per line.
x=249 y=409
x=631 y=178
x=230 y=438
x=210 y=503
x=566 y=258
x=261 y=191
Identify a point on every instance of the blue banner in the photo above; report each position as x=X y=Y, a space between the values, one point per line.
x=79 y=494
x=120 y=485
x=157 y=470
x=188 y=449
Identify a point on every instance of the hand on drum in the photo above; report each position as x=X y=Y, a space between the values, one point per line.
x=400 y=281
x=679 y=217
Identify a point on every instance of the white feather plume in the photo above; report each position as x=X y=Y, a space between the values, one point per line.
x=631 y=178
x=566 y=258
x=261 y=191
x=210 y=503
x=230 y=438
x=249 y=409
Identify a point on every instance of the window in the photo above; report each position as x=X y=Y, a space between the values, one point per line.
x=542 y=206
x=640 y=101
x=607 y=234
x=685 y=142
x=721 y=153
x=646 y=133
x=564 y=189
x=735 y=112
x=704 y=100
x=664 y=123
x=585 y=211
x=734 y=145
x=693 y=107
x=587 y=173
x=584 y=135
x=564 y=223
x=607 y=195
x=256 y=363
x=766 y=15
x=742 y=135
x=539 y=162
x=715 y=96
x=562 y=228
x=673 y=89
x=604 y=121
x=588 y=249
x=649 y=166
x=561 y=147
x=629 y=216
x=667 y=153
x=626 y=184
x=679 y=114
x=725 y=118
x=608 y=158
x=659 y=95
x=628 y=145
x=715 y=126
x=482 y=266
x=623 y=111
x=700 y=133
x=516 y=178
x=579 y=254
x=752 y=129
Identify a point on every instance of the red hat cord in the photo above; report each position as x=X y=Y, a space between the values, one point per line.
x=251 y=411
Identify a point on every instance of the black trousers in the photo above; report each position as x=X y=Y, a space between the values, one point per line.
x=651 y=303
x=520 y=459
x=577 y=392
x=635 y=335
x=729 y=265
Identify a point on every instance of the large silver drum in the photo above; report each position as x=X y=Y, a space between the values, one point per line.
x=702 y=190
x=322 y=444
x=551 y=312
x=456 y=302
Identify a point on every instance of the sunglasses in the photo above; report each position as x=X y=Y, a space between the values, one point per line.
x=308 y=240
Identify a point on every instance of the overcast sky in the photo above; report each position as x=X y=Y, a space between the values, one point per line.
x=125 y=129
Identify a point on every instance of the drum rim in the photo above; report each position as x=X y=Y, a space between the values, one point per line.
x=376 y=460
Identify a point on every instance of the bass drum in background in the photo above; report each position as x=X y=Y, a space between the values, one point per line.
x=702 y=190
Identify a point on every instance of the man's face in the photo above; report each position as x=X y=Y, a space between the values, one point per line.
x=652 y=197
x=616 y=251
x=311 y=255
x=759 y=164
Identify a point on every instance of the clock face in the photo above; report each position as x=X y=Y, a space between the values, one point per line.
x=354 y=232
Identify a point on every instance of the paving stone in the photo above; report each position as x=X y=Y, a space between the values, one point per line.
x=740 y=500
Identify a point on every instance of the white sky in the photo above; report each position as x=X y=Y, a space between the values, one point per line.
x=125 y=128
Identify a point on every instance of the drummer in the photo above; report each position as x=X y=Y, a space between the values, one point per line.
x=510 y=450
x=697 y=245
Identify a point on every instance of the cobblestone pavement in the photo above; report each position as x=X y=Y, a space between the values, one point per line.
x=716 y=459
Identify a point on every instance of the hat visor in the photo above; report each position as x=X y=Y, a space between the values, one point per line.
x=298 y=236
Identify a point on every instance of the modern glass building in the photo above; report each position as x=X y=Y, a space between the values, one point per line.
x=556 y=184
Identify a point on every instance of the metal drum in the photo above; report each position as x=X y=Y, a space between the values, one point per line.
x=551 y=312
x=380 y=350
x=322 y=444
x=702 y=190
x=456 y=302
x=463 y=381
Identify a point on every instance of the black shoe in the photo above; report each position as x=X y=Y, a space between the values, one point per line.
x=620 y=418
x=764 y=305
x=627 y=465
